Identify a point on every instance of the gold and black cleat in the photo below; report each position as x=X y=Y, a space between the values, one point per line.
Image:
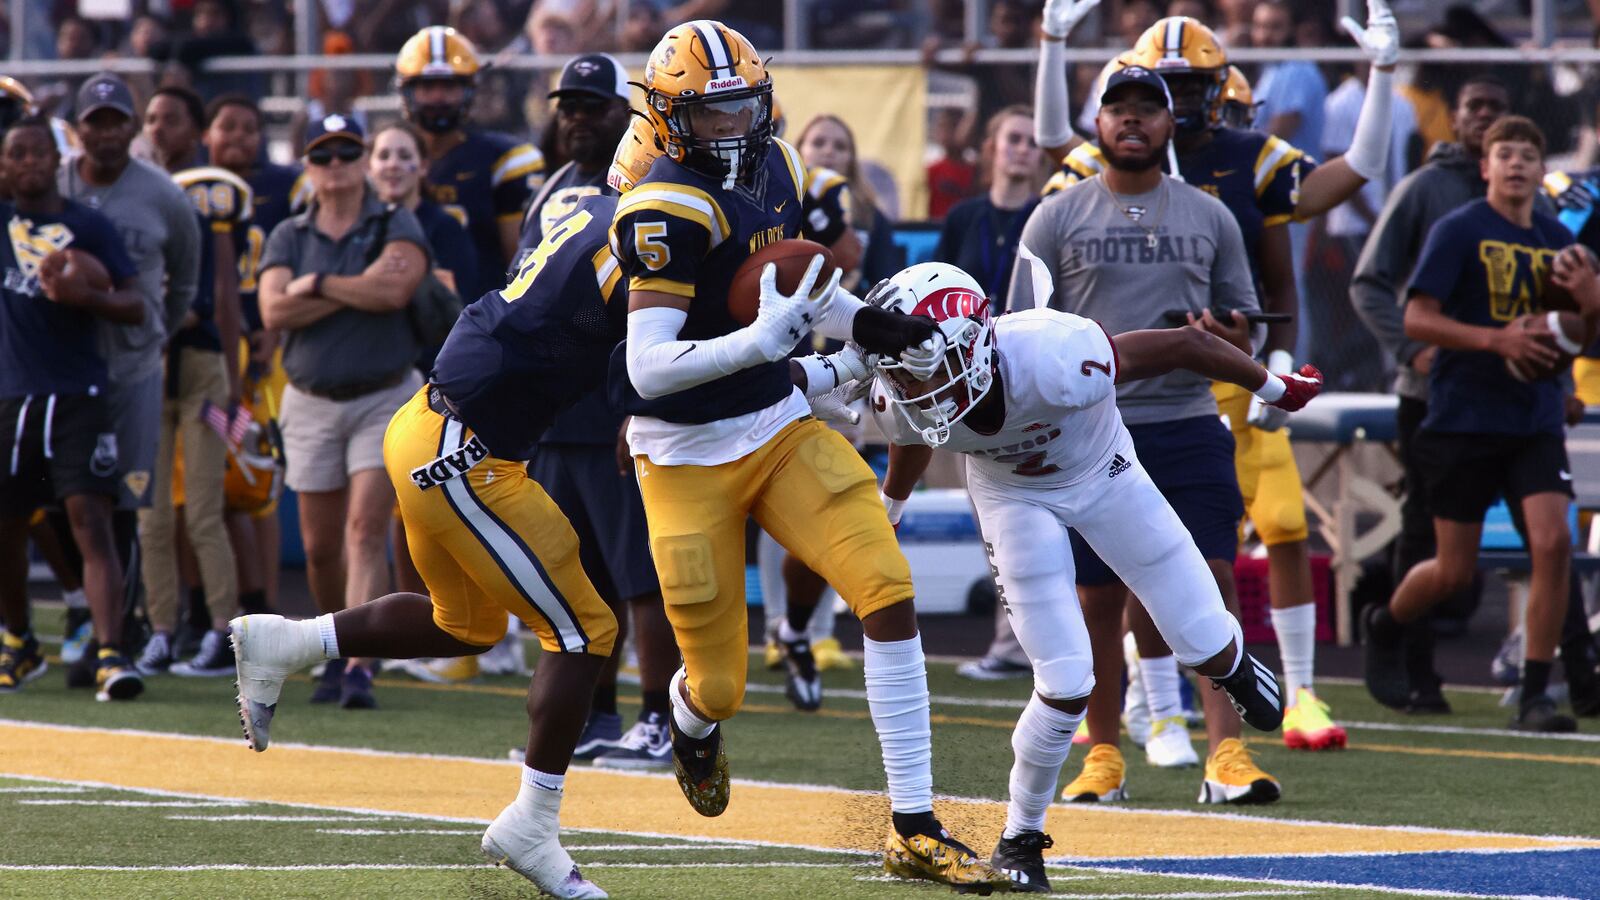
x=942 y=859
x=702 y=769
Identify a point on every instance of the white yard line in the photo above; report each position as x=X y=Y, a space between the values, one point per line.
x=134 y=803
x=43 y=790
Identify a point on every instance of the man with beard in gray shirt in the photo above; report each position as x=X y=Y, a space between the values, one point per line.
x=162 y=236
x=1125 y=248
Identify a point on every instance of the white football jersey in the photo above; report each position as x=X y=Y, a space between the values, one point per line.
x=1058 y=372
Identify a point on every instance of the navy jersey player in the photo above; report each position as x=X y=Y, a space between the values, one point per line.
x=53 y=411
x=720 y=433
x=482 y=178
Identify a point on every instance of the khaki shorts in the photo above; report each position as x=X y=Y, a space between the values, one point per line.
x=327 y=441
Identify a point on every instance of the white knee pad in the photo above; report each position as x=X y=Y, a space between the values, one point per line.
x=1206 y=636
x=1065 y=677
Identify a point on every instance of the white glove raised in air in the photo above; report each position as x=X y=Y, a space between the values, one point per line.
x=1061 y=16
x=783 y=319
x=1381 y=38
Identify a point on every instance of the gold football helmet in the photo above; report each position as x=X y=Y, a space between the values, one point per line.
x=636 y=153
x=16 y=101
x=437 y=53
x=1187 y=55
x=709 y=99
x=1238 y=103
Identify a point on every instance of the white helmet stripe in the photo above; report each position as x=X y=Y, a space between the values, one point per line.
x=436 y=52
x=716 y=48
x=1174 y=38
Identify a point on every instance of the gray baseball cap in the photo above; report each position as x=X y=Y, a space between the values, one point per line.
x=105 y=91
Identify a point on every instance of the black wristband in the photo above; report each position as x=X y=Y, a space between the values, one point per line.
x=316 y=283
x=881 y=331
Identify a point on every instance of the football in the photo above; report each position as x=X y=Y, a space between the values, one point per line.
x=1566 y=335
x=69 y=263
x=1553 y=296
x=791 y=257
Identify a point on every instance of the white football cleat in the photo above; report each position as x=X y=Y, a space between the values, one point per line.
x=1169 y=746
x=266 y=650
x=513 y=840
x=1135 y=703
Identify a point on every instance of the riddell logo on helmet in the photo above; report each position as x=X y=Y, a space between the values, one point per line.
x=725 y=84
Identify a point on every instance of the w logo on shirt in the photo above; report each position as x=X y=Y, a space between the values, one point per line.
x=30 y=244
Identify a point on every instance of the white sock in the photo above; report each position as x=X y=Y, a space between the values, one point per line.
x=327 y=636
x=75 y=599
x=1040 y=742
x=539 y=804
x=688 y=723
x=786 y=632
x=897 y=695
x=1297 y=643
x=1161 y=686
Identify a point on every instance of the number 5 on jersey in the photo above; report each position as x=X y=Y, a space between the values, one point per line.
x=649 y=246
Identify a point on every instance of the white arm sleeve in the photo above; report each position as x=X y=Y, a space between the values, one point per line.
x=838 y=317
x=1052 y=119
x=1368 y=155
x=660 y=364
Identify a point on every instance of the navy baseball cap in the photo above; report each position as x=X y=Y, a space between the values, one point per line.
x=333 y=127
x=595 y=75
x=1137 y=75
x=104 y=91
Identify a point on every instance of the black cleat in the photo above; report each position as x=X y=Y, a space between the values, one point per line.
x=802 y=684
x=1022 y=858
x=702 y=769
x=1384 y=660
x=1539 y=715
x=1255 y=693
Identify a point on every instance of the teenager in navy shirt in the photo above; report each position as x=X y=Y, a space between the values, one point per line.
x=1489 y=434
x=53 y=411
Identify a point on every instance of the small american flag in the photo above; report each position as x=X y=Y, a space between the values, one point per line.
x=231 y=428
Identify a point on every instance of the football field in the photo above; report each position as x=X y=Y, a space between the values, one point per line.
x=160 y=797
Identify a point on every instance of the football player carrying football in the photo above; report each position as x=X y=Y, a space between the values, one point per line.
x=720 y=433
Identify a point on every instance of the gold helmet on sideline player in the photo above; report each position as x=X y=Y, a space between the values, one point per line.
x=703 y=72
x=636 y=153
x=1188 y=56
x=16 y=101
x=1238 y=102
x=437 y=53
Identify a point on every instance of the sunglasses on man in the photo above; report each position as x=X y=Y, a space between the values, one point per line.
x=343 y=151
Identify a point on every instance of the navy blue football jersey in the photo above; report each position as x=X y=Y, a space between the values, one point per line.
x=222 y=202
x=682 y=233
x=45 y=347
x=520 y=355
x=276 y=193
x=484 y=179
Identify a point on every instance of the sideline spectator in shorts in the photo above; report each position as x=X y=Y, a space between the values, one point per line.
x=336 y=280
x=1490 y=432
x=162 y=236
x=53 y=411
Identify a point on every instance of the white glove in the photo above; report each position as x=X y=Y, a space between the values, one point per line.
x=1381 y=37
x=882 y=294
x=1263 y=415
x=783 y=319
x=834 y=407
x=1061 y=16
x=925 y=358
x=824 y=373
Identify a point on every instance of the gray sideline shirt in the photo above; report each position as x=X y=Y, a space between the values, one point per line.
x=1080 y=254
x=351 y=346
x=162 y=235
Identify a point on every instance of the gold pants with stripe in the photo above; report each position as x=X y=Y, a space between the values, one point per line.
x=810 y=490
x=488 y=540
x=1269 y=479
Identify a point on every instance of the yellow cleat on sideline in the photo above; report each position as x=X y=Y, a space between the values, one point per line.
x=946 y=862
x=1102 y=780
x=830 y=655
x=1232 y=776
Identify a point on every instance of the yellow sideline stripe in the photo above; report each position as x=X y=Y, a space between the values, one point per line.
x=1481 y=754
x=816 y=817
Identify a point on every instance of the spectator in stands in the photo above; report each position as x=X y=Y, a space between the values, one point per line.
x=1490 y=432
x=332 y=90
x=1449 y=179
x=827 y=141
x=76 y=39
x=981 y=234
x=202 y=375
x=951 y=176
x=1134 y=17
x=217 y=29
x=159 y=230
x=642 y=29
x=337 y=280
x=1234 y=27
x=1290 y=93
x=53 y=412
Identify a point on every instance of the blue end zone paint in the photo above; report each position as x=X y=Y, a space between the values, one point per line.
x=1537 y=873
